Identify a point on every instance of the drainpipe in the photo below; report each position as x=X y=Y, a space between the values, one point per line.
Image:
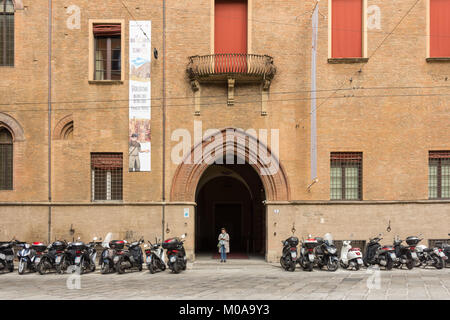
x=164 y=121
x=49 y=118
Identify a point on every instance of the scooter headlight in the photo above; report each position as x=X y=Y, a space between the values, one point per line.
x=331 y=250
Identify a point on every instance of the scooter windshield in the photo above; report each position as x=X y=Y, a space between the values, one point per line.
x=328 y=239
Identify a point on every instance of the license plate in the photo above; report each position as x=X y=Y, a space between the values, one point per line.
x=77 y=260
x=36 y=260
x=359 y=261
x=2 y=256
x=294 y=254
x=311 y=257
x=414 y=255
x=149 y=259
x=173 y=259
x=58 y=259
x=393 y=256
x=441 y=254
x=116 y=259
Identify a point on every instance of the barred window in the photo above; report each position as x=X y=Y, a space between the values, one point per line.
x=107 y=51
x=346 y=176
x=6 y=159
x=107 y=169
x=6 y=33
x=439 y=175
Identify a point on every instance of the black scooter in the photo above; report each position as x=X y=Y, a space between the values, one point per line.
x=376 y=254
x=109 y=256
x=154 y=257
x=176 y=253
x=445 y=247
x=130 y=258
x=406 y=255
x=288 y=259
x=7 y=255
x=326 y=254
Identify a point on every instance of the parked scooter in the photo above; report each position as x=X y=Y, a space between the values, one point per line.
x=288 y=258
x=430 y=256
x=326 y=253
x=81 y=256
x=109 y=255
x=376 y=254
x=30 y=256
x=130 y=258
x=445 y=246
x=176 y=253
x=406 y=255
x=307 y=256
x=351 y=258
x=7 y=255
x=155 y=257
x=51 y=259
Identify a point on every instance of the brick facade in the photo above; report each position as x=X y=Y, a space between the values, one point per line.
x=392 y=108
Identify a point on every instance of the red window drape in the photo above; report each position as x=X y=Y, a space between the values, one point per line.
x=107 y=30
x=439 y=28
x=346 y=39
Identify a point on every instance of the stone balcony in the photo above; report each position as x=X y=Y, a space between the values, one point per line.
x=231 y=68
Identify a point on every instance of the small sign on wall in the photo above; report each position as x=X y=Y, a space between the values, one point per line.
x=276 y=211
x=186 y=212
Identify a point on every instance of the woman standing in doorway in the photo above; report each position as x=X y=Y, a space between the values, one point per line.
x=224 y=245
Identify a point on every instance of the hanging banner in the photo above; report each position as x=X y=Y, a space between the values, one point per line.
x=140 y=97
x=315 y=24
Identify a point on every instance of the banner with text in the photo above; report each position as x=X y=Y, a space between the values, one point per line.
x=139 y=132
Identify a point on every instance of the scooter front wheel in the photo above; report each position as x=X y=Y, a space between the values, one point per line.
x=120 y=268
x=176 y=268
x=332 y=266
x=21 y=268
x=105 y=268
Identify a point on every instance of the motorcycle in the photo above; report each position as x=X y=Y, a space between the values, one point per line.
x=51 y=259
x=176 y=253
x=430 y=256
x=81 y=256
x=307 y=256
x=109 y=254
x=350 y=257
x=445 y=246
x=376 y=254
x=7 y=255
x=326 y=253
x=155 y=257
x=406 y=254
x=130 y=258
x=30 y=256
x=288 y=259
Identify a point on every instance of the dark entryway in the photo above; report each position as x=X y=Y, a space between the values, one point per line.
x=230 y=196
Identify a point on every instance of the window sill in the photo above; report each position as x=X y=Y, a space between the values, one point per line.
x=107 y=201
x=442 y=59
x=107 y=82
x=347 y=60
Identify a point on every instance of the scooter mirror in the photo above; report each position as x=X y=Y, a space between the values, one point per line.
x=95 y=239
x=78 y=238
x=183 y=236
x=145 y=245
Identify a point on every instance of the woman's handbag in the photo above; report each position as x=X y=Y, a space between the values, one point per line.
x=221 y=243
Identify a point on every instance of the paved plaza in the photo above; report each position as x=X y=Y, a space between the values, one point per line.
x=237 y=279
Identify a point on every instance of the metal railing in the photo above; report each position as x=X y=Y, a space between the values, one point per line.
x=253 y=65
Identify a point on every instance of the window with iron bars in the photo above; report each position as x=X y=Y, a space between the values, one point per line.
x=346 y=176
x=107 y=176
x=439 y=175
x=6 y=33
x=6 y=159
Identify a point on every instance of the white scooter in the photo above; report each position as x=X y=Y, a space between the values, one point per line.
x=350 y=257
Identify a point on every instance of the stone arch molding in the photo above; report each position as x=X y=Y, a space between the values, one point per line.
x=58 y=131
x=13 y=126
x=230 y=141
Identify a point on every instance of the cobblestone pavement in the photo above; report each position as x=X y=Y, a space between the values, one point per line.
x=237 y=279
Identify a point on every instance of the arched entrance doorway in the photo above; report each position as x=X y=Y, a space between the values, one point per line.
x=230 y=196
x=259 y=164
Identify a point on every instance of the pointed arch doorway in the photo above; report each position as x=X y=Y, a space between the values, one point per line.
x=257 y=175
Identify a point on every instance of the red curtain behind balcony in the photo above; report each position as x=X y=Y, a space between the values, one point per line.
x=230 y=35
x=346 y=29
x=439 y=28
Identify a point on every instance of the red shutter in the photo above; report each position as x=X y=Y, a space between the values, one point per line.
x=439 y=154
x=106 y=161
x=346 y=32
x=346 y=156
x=107 y=30
x=230 y=27
x=439 y=28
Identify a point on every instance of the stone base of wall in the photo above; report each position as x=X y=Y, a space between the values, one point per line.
x=352 y=221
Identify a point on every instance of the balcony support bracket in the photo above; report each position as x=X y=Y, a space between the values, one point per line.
x=230 y=100
x=196 y=89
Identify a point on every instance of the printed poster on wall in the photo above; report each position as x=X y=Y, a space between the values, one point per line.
x=139 y=132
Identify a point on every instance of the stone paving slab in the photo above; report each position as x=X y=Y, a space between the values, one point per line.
x=237 y=280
